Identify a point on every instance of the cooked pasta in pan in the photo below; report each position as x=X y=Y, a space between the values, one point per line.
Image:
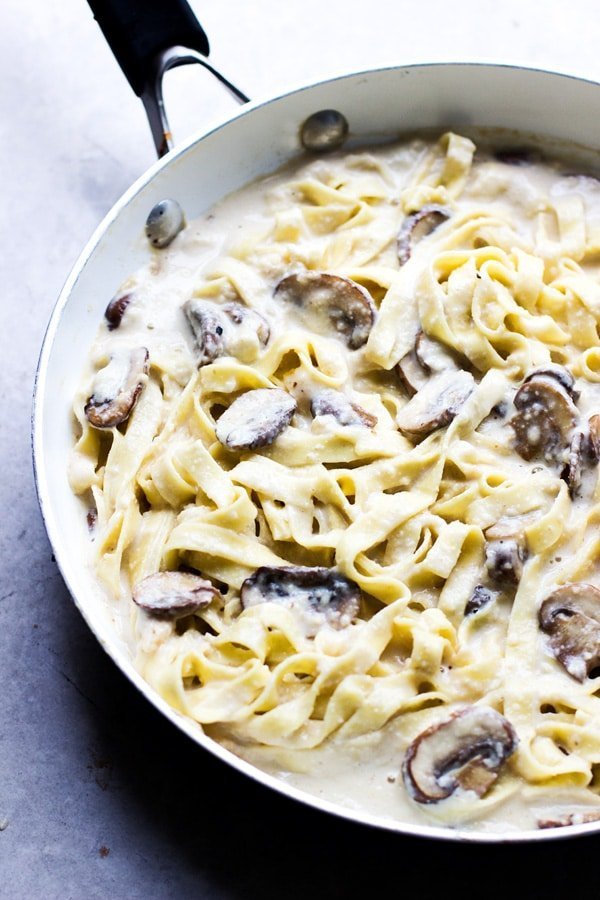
x=339 y=441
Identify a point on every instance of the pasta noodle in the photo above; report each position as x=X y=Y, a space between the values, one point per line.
x=432 y=312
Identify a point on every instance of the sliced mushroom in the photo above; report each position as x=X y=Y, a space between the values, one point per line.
x=504 y=560
x=346 y=305
x=115 y=310
x=432 y=355
x=572 y=470
x=506 y=550
x=255 y=419
x=464 y=753
x=248 y=318
x=328 y=402
x=436 y=404
x=170 y=595
x=560 y=374
x=570 y=617
x=545 y=419
x=427 y=357
x=224 y=330
x=117 y=387
x=418 y=225
x=164 y=223
x=412 y=374
x=500 y=410
x=594 y=437
x=479 y=599
x=208 y=327
x=574 y=818
x=318 y=594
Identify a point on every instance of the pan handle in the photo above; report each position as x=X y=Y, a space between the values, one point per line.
x=149 y=37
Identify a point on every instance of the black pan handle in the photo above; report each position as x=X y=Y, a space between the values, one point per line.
x=148 y=37
x=138 y=30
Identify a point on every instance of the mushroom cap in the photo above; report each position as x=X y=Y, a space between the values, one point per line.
x=432 y=355
x=571 y=473
x=255 y=419
x=560 y=374
x=506 y=549
x=318 y=594
x=170 y=595
x=465 y=752
x=115 y=310
x=346 y=305
x=222 y=329
x=427 y=356
x=411 y=373
x=116 y=388
x=418 y=225
x=208 y=327
x=327 y=402
x=238 y=314
x=436 y=404
x=570 y=617
x=594 y=437
x=545 y=419
x=504 y=560
x=479 y=599
x=582 y=817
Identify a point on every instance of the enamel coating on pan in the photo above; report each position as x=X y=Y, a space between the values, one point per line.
x=379 y=105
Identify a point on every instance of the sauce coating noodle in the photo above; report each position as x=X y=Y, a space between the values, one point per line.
x=396 y=445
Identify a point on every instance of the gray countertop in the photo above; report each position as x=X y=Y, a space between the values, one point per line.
x=99 y=796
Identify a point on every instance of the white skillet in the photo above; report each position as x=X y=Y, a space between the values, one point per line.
x=380 y=104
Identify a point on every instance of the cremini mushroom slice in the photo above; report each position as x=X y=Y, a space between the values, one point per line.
x=255 y=419
x=117 y=387
x=574 y=466
x=463 y=753
x=426 y=358
x=208 y=327
x=570 y=617
x=317 y=594
x=346 y=305
x=574 y=818
x=432 y=355
x=170 y=595
x=560 y=374
x=506 y=550
x=545 y=419
x=435 y=404
x=228 y=330
x=244 y=317
x=418 y=225
x=504 y=560
x=327 y=402
x=411 y=373
x=481 y=598
x=115 y=310
x=594 y=437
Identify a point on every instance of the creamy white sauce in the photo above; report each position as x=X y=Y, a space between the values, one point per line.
x=364 y=773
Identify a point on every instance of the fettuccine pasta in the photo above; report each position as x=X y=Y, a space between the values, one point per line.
x=348 y=415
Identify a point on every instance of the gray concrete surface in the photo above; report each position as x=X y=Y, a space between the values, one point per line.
x=99 y=797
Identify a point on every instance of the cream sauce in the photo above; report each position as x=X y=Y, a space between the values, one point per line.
x=361 y=773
